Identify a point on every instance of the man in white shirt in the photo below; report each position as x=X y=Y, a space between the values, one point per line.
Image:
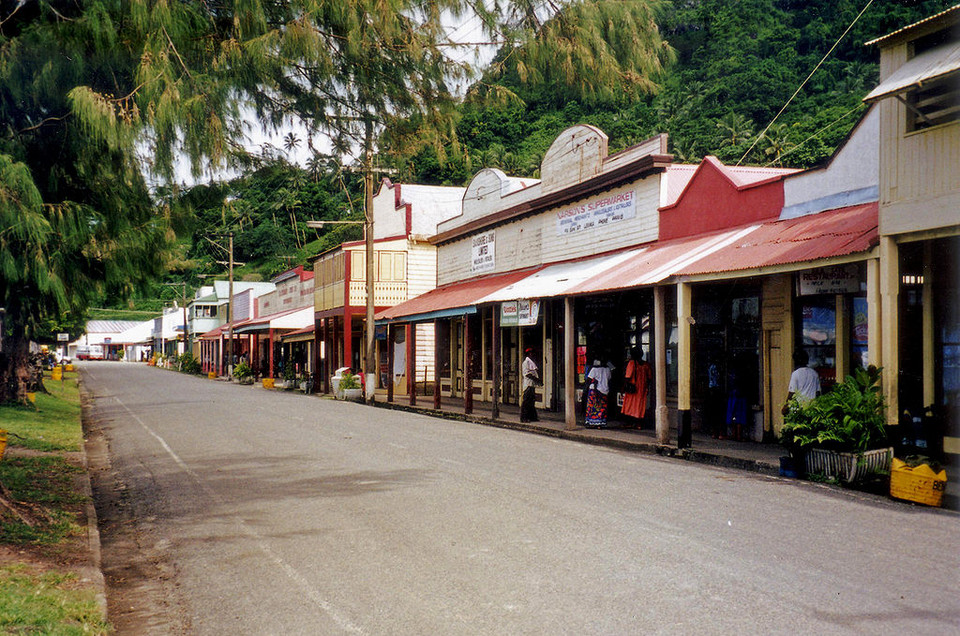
x=529 y=380
x=804 y=381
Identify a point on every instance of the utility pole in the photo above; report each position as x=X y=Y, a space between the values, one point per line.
x=371 y=357
x=230 y=311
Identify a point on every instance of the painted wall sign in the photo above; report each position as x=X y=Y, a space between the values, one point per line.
x=519 y=313
x=843 y=279
x=484 y=253
x=609 y=209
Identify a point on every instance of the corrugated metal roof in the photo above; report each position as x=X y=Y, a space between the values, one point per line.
x=828 y=234
x=460 y=295
x=110 y=326
x=807 y=239
x=946 y=16
x=926 y=67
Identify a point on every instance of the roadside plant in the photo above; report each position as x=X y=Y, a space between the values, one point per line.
x=189 y=364
x=243 y=370
x=349 y=381
x=849 y=418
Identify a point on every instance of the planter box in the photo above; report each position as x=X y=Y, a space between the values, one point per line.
x=918 y=484
x=848 y=467
x=354 y=395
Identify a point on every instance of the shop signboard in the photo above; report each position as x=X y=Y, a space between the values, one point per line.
x=63 y=337
x=483 y=252
x=843 y=279
x=604 y=211
x=519 y=313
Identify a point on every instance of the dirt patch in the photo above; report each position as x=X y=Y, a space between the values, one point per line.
x=142 y=597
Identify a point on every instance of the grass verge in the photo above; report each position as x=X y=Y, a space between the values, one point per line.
x=43 y=543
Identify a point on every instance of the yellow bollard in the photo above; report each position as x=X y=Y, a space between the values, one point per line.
x=3 y=442
x=268 y=383
x=57 y=373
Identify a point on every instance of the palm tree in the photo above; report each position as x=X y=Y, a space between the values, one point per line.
x=290 y=142
x=776 y=143
x=735 y=129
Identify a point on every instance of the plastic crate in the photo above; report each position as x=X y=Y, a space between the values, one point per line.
x=918 y=484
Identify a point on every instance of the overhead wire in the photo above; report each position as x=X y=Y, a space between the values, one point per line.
x=804 y=83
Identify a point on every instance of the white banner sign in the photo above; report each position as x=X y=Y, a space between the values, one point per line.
x=609 y=209
x=843 y=279
x=483 y=254
x=519 y=313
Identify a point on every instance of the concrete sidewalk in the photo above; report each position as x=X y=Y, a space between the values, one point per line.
x=752 y=456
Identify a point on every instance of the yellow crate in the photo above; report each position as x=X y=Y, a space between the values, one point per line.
x=69 y=367
x=57 y=373
x=268 y=383
x=918 y=484
x=212 y=375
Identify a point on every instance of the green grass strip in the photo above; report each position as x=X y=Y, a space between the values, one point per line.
x=53 y=425
x=33 y=602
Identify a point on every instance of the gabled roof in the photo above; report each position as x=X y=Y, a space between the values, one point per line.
x=740 y=177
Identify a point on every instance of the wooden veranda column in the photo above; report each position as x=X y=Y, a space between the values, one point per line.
x=436 y=364
x=661 y=413
x=412 y=363
x=890 y=325
x=569 y=367
x=389 y=363
x=496 y=372
x=467 y=366
x=684 y=388
x=270 y=353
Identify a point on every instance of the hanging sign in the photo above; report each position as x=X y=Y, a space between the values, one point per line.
x=483 y=252
x=609 y=209
x=843 y=279
x=519 y=313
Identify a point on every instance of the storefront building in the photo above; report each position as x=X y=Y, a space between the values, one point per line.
x=919 y=102
x=709 y=270
x=405 y=216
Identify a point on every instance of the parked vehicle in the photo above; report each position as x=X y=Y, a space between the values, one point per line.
x=90 y=352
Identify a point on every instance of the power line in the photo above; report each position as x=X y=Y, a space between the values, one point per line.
x=804 y=83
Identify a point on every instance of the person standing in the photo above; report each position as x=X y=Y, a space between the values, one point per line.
x=598 y=381
x=530 y=380
x=636 y=386
x=804 y=381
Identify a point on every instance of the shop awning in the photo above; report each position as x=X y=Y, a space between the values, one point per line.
x=300 y=335
x=291 y=319
x=926 y=67
x=455 y=299
x=801 y=242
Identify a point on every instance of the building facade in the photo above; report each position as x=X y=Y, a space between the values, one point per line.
x=919 y=102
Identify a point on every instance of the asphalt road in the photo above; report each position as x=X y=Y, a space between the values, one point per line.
x=280 y=513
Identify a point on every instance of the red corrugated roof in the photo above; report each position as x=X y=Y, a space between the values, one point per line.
x=817 y=236
x=807 y=239
x=454 y=295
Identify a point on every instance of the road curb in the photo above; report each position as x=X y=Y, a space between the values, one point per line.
x=576 y=435
x=93 y=524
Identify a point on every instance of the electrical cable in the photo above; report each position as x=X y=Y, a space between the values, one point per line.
x=804 y=83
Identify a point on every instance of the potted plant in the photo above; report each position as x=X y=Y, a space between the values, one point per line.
x=289 y=377
x=841 y=433
x=243 y=372
x=350 y=388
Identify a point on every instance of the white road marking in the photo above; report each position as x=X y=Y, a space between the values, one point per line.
x=312 y=593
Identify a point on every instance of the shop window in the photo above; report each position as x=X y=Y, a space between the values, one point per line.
x=818 y=335
x=937 y=102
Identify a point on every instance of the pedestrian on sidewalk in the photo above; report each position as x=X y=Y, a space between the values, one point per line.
x=598 y=381
x=804 y=381
x=530 y=379
x=636 y=386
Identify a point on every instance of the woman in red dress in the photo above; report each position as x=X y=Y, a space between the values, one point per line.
x=637 y=379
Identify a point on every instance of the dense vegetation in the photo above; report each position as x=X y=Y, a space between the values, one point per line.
x=736 y=64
